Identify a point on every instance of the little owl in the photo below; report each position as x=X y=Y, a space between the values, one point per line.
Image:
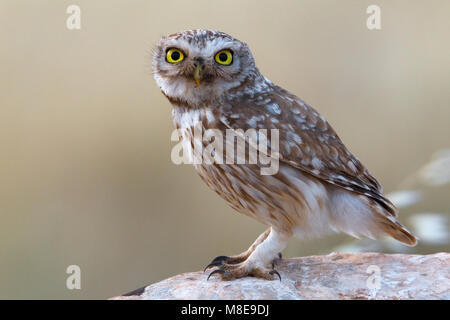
x=211 y=80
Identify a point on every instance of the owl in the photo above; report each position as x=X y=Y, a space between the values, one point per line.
x=212 y=82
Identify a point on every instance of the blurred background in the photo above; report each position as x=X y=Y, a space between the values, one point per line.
x=86 y=175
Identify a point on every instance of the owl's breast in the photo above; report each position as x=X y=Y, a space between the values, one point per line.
x=191 y=125
x=194 y=128
x=284 y=200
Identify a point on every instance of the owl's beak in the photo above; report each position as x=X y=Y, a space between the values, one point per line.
x=198 y=72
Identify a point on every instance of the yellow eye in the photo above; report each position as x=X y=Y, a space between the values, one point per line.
x=174 y=55
x=224 y=57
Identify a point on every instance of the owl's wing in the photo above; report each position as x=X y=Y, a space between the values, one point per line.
x=306 y=140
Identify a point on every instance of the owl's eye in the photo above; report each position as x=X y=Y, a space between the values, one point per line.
x=174 y=55
x=224 y=57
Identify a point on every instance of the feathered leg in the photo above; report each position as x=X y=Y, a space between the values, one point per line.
x=258 y=261
x=217 y=261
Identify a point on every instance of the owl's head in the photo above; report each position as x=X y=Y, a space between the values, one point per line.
x=198 y=66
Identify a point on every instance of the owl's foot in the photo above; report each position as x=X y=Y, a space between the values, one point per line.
x=240 y=270
x=217 y=261
x=254 y=262
x=220 y=260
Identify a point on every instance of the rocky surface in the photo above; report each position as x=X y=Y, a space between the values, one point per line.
x=335 y=276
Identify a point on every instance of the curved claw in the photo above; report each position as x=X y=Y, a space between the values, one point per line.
x=217 y=261
x=212 y=264
x=272 y=272
x=220 y=258
x=216 y=271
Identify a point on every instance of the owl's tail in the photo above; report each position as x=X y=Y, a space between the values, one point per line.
x=359 y=215
x=387 y=224
x=393 y=228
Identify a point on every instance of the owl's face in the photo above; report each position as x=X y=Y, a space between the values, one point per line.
x=197 y=66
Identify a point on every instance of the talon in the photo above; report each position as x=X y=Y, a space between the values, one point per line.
x=217 y=261
x=220 y=259
x=212 y=264
x=280 y=256
x=272 y=272
x=216 y=271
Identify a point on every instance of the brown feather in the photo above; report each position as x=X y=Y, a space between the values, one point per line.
x=307 y=141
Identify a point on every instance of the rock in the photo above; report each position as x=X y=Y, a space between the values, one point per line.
x=335 y=276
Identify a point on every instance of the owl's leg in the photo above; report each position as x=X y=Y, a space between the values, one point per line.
x=217 y=261
x=257 y=263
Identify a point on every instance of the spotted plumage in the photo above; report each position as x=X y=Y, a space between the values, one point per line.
x=320 y=186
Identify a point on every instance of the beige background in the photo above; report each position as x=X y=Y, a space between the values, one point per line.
x=86 y=176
